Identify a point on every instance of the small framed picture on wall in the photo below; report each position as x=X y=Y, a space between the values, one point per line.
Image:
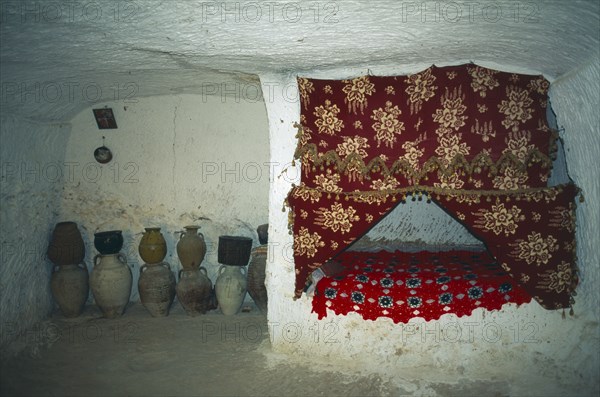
x=105 y=118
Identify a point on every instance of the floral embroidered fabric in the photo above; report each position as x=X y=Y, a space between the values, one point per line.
x=401 y=285
x=459 y=127
x=473 y=140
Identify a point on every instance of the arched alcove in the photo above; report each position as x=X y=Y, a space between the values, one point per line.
x=356 y=339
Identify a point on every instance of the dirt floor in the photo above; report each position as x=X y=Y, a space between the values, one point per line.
x=179 y=355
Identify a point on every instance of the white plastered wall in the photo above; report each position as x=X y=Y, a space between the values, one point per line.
x=178 y=160
x=30 y=186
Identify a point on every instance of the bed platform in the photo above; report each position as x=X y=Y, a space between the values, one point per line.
x=403 y=285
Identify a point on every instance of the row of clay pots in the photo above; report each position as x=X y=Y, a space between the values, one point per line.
x=157 y=288
x=111 y=278
x=111 y=283
x=157 y=284
x=67 y=247
x=195 y=291
x=191 y=247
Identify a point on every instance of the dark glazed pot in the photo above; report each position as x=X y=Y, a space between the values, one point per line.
x=108 y=243
x=234 y=250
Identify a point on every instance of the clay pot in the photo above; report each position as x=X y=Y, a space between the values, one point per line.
x=111 y=284
x=263 y=233
x=66 y=245
x=191 y=248
x=230 y=288
x=70 y=288
x=153 y=247
x=157 y=288
x=256 y=277
x=108 y=243
x=194 y=291
x=234 y=250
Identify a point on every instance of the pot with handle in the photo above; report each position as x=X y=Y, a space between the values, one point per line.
x=70 y=288
x=110 y=282
x=157 y=288
x=230 y=288
x=191 y=248
x=194 y=291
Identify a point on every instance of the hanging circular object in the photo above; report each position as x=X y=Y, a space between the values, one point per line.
x=103 y=155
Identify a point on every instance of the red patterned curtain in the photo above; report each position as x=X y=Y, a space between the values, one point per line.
x=474 y=140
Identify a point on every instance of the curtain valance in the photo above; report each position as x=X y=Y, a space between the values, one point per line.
x=460 y=127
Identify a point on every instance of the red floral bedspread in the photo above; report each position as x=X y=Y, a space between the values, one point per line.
x=402 y=285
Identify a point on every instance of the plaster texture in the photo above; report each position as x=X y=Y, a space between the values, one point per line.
x=30 y=191
x=182 y=77
x=178 y=160
x=58 y=57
